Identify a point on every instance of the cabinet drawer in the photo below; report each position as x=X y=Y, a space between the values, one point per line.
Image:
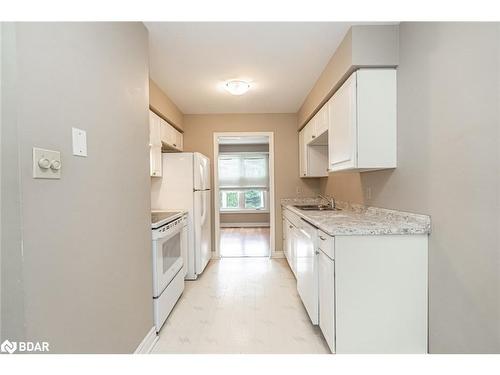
x=327 y=244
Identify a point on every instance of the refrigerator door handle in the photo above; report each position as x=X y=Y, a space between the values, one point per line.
x=204 y=211
x=202 y=177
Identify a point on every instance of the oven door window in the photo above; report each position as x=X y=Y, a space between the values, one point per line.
x=171 y=252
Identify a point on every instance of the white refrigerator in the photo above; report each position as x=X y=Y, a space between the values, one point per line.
x=185 y=185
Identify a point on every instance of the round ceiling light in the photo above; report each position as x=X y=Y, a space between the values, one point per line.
x=237 y=87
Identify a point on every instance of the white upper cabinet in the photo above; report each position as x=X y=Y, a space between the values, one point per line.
x=154 y=129
x=302 y=155
x=321 y=123
x=154 y=145
x=155 y=163
x=313 y=154
x=362 y=122
x=313 y=144
x=179 y=141
x=164 y=134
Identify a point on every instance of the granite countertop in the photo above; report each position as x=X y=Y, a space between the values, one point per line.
x=355 y=219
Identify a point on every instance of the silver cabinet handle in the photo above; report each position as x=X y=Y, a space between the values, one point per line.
x=322 y=238
x=290 y=227
x=316 y=252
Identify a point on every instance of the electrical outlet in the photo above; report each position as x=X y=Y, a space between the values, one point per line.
x=298 y=191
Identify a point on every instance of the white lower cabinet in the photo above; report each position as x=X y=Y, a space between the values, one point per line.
x=326 y=271
x=381 y=294
x=371 y=289
x=289 y=243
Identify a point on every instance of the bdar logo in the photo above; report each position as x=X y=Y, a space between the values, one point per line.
x=8 y=347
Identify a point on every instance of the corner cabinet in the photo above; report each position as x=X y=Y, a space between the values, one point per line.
x=362 y=122
x=162 y=137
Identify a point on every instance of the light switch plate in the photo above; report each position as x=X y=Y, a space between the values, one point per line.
x=48 y=158
x=79 y=142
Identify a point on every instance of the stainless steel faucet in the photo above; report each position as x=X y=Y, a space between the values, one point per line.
x=330 y=200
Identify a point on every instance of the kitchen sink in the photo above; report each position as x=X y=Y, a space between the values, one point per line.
x=316 y=207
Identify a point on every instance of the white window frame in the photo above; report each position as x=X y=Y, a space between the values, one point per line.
x=241 y=200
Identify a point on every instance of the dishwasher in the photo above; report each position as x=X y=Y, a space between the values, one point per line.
x=307 y=267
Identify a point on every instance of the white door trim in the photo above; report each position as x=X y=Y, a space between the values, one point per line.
x=148 y=342
x=272 y=208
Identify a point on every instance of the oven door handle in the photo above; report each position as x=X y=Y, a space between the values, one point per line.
x=161 y=240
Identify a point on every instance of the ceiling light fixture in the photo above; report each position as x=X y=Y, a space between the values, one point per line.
x=237 y=87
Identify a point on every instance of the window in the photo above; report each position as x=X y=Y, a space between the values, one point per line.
x=254 y=199
x=243 y=181
x=229 y=199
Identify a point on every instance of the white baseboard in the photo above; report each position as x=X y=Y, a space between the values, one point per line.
x=147 y=342
x=244 y=225
x=278 y=254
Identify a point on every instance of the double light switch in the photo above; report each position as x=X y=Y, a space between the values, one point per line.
x=46 y=163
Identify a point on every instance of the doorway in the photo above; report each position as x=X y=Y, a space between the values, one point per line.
x=244 y=194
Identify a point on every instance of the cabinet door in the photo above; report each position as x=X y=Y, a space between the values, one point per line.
x=293 y=238
x=179 y=141
x=302 y=155
x=154 y=129
x=287 y=242
x=310 y=131
x=342 y=135
x=284 y=228
x=172 y=135
x=321 y=123
x=327 y=299
x=167 y=133
x=176 y=138
x=155 y=161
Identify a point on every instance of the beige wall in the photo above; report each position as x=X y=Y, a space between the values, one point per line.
x=363 y=45
x=198 y=136
x=261 y=217
x=448 y=158
x=161 y=104
x=83 y=271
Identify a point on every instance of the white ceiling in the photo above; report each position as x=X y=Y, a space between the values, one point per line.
x=190 y=61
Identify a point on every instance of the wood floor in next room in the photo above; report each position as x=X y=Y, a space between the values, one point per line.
x=241 y=305
x=244 y=242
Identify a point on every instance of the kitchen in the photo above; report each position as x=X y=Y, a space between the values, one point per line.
x=370 y=152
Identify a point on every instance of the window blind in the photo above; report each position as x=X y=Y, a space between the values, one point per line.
x=244 y=171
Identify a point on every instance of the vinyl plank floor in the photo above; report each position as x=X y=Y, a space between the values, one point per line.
x=241 y=305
